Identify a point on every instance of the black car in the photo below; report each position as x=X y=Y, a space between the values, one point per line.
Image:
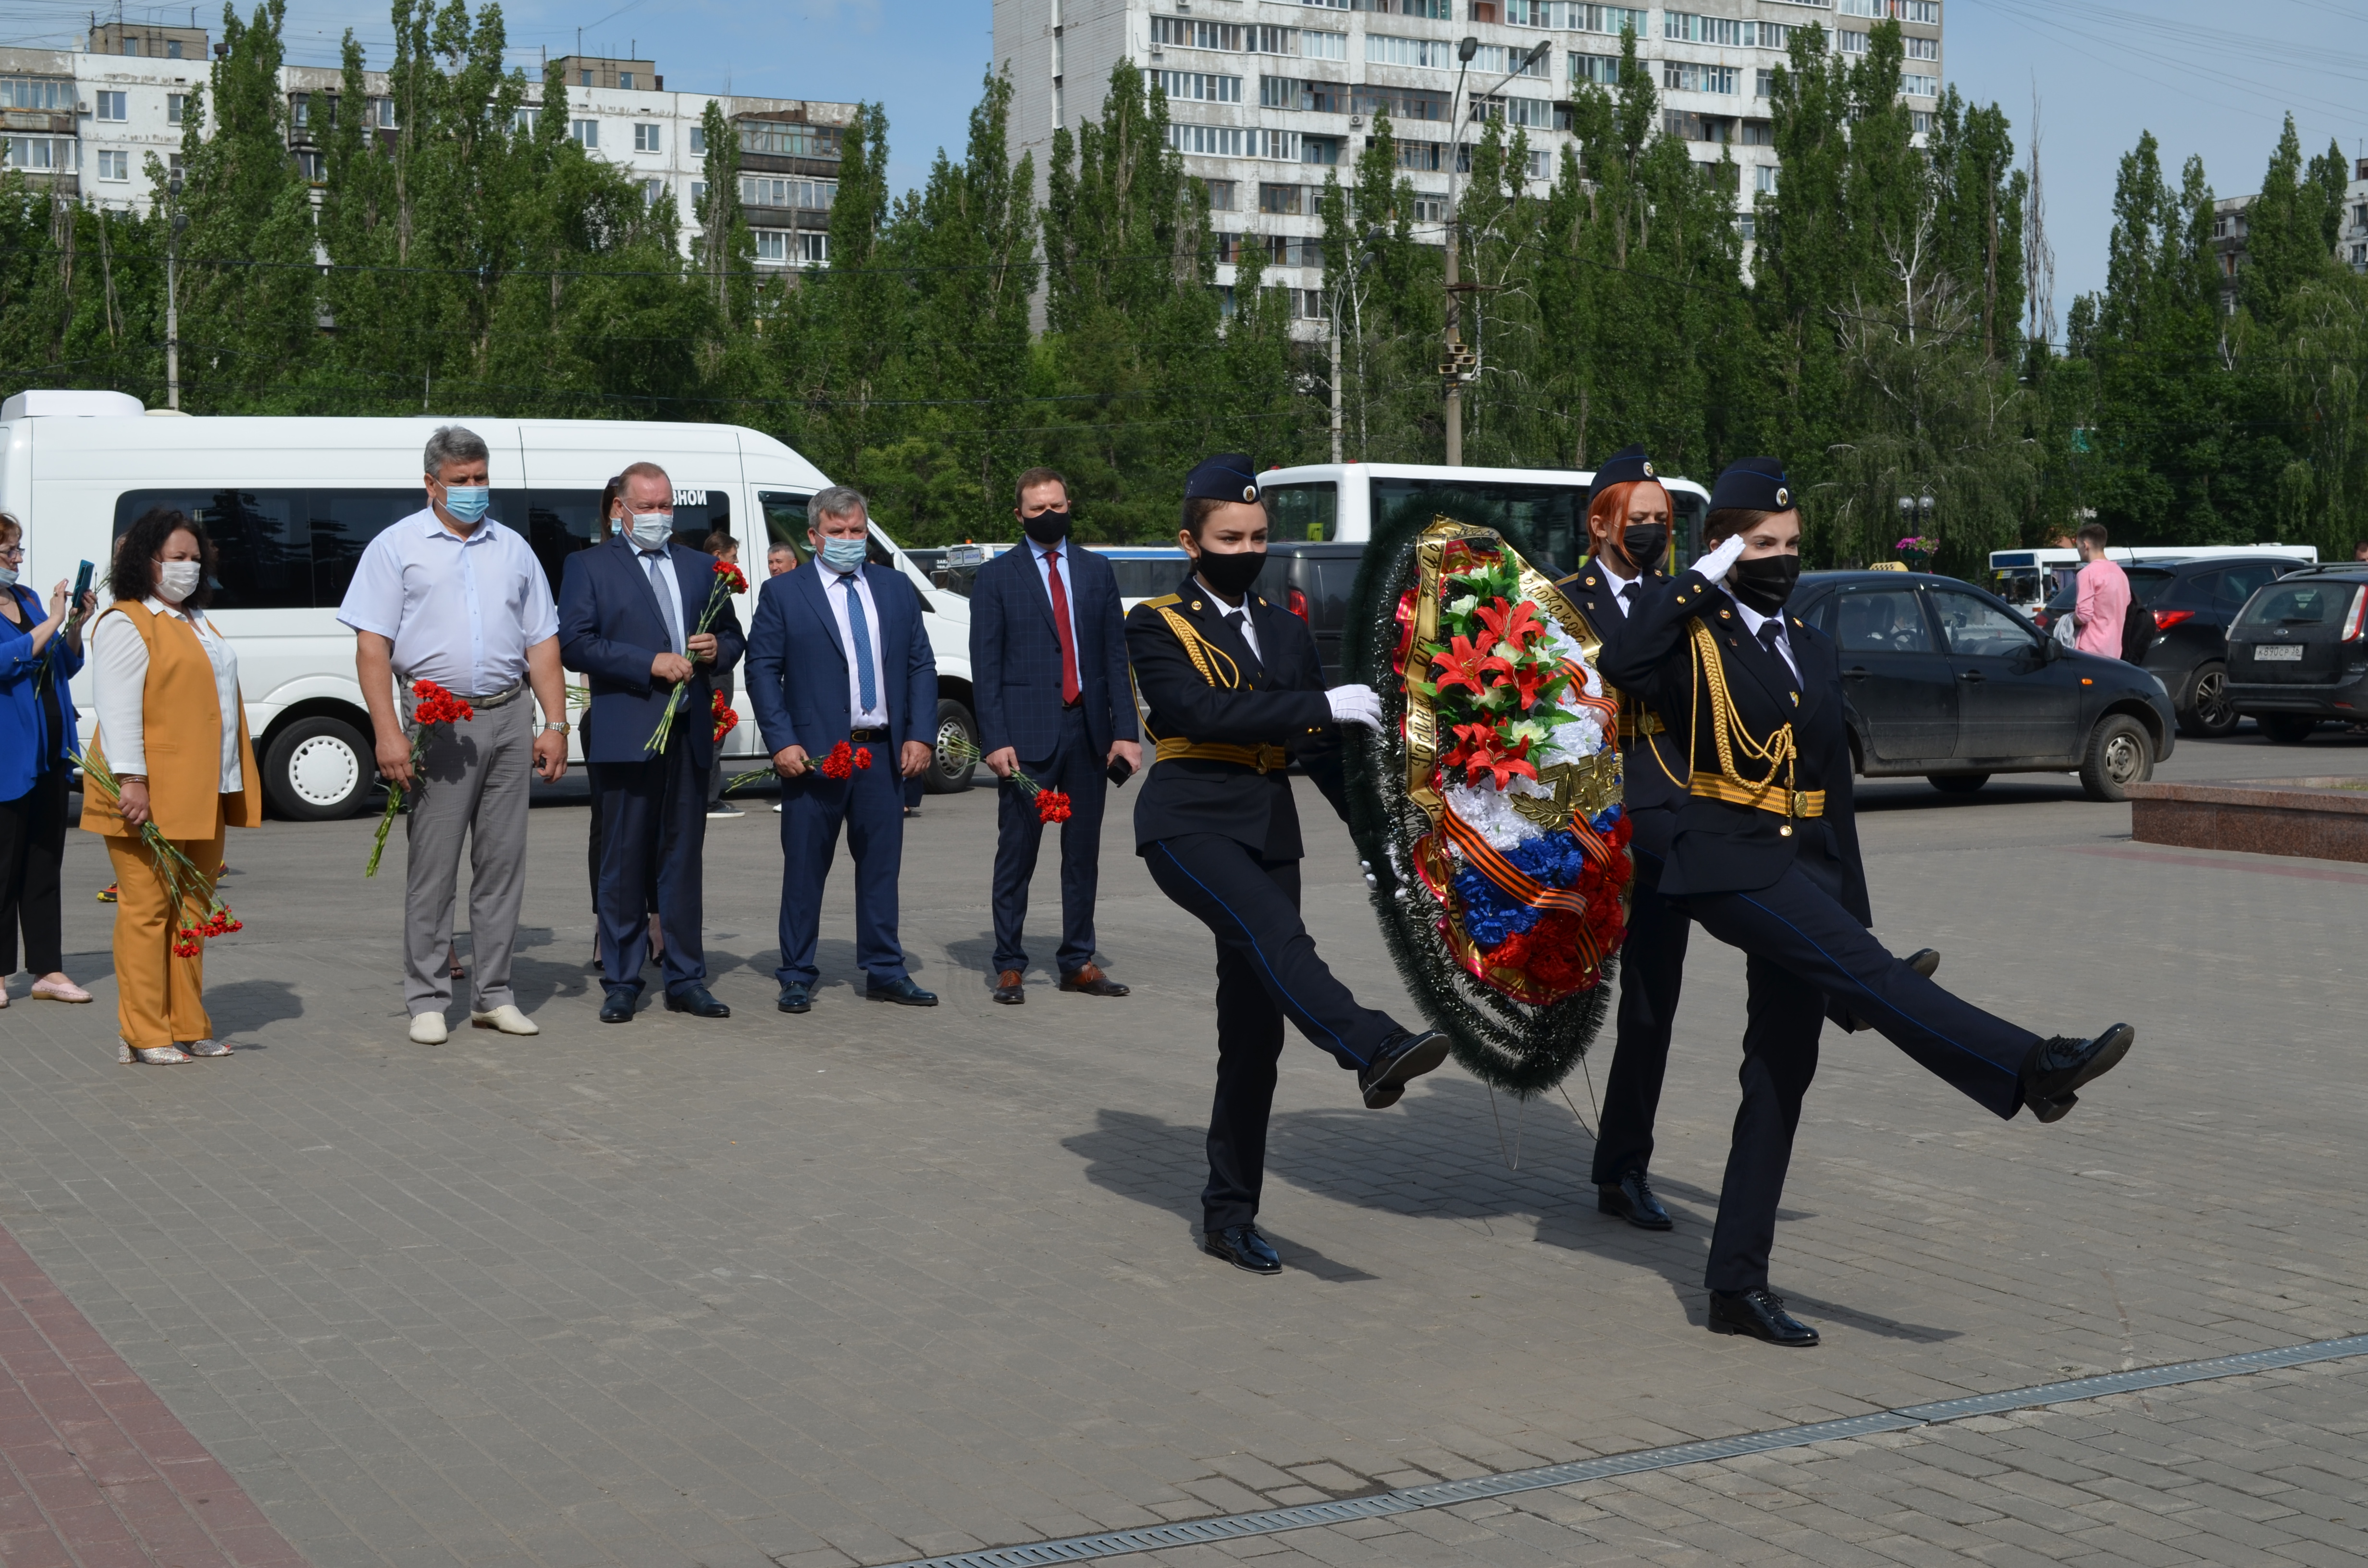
x=2296 y=655
x=2193 y=601
x=1312 y=579
x=1946 y=681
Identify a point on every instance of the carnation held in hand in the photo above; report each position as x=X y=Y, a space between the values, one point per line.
x=431 y=707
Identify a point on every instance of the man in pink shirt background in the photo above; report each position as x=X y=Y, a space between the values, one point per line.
x=2105 y=599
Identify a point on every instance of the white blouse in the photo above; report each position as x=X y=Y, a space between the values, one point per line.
x=119 y=657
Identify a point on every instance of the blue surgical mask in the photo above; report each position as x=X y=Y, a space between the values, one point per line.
x=467 y=502
x=652 y=529
x=8 y=576
x=844 y=554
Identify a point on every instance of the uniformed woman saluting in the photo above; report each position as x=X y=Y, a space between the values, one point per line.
x=1766 y=859
x=1235 y=692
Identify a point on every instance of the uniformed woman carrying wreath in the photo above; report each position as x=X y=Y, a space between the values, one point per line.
x=1765 y=858
x=1236 y=694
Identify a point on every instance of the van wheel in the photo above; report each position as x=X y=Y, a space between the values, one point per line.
x=1956 y=783
x=2118 y=755
x=949 y=775
x=318 y=770
x=2286 y=729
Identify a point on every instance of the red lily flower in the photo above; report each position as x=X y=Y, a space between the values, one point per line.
x=1479 y=751
x=1517 y=624
x=1465 y=665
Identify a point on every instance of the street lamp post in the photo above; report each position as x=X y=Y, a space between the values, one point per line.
x=1461 y=364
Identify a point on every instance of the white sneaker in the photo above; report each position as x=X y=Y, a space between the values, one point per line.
x=777 y=808
x=507 y=1018
x=427 y=1028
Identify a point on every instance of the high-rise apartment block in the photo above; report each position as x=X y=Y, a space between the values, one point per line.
x=86 y=121
x=1266 y=97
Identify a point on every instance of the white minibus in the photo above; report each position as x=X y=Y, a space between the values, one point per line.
x=289 y=502
x=2027 y=579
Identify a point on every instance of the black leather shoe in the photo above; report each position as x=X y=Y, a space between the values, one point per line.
x=1760 y=1314
x=1008 y=989
x=1242 y=1246
x=903 y=992
x=1632 y=1198
x=1092 y=981
x=618 y=1008
x=1403 y=1057
x=2057 y=1067
x=794 y=998
x=699 y=1002
x=1923 y=960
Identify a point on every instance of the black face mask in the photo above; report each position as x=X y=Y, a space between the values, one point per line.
x=1230 y=575
x=1765 y=581
x=1645 y=543
x=1047 y=528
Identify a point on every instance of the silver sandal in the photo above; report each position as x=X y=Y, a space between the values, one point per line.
x=205 y=1048
x=148 y=1055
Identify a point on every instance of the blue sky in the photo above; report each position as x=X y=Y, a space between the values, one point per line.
x=2213 y=79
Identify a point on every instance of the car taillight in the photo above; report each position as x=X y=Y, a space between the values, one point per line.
x=1299 y=603
x=2163 y=619
x=2359 y=607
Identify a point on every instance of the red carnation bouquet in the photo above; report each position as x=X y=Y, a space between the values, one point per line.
x=1051 y=806
x=727 y=582
x=432 y=708
x=185 y=882
x=844 y=759
x=727 y=720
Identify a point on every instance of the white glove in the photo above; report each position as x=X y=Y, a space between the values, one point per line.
x=1720 y=562
x=1355 y=705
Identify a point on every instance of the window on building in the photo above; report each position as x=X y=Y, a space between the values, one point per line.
x=2359 y=255
x=385 y=113
x=1603 y=70
x=698 y=141
x=1280 y=146
x=1763 y=82
x=1540 y=164
x=114 y=164
x=1288 y=200
x=1923 y=48
x=1508 y=58
x=36 y=92
x=176 y=107
x=1849 y=42
x=172 y=49
x=299 y=110
x=652 y=190
x=1213 y=141
x=1763 y=178
x=522 y=121
x=773 y=247
x=1428 y=157
x=1200 y=86
x=1323 y=46
x=699 y=196
x=313 y=166
x=1878 y=9
x=584 y=78
x=131 y=45
x=584 y=133
x=1759 y=133
x=1685 y=76
x=1422 y=53
x=786 y=138
x=646 y=139
x=1536 y=113
x=111 y=106
x=762 y=190
x=625 y=80
x=1399 y=103
x=1185 y=33
x=813 y=249
x=1747 y=226
x=1921 y=87
x=1429 y=209
x=39 y=152
x=1919 y=120
x=1319 y=150
x=2360 y=216
x=1224 y=194
x=1307 y=304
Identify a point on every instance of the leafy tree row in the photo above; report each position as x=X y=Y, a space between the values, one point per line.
x=1867 y=324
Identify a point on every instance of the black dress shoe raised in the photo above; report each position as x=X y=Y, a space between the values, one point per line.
x=2056 y=1068
x=795 y=997
x=1008 y=989
x=1092 y=981
x=617 y=1008
x=698 y=1001
x=1403 y=1057
x=1923 y=960
x=1760 y=1314
x=902 y=992
x=1632 y=1198
x=1242 y=1246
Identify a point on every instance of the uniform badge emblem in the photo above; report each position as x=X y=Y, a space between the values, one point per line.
x=1649 y=471
x=1783 y=496
x=1249 y=493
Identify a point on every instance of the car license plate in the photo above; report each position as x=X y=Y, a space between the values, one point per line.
x=2277 y=653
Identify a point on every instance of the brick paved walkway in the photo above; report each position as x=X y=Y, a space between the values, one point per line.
x=872 y=1284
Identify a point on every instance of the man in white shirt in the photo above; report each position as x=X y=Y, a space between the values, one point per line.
x=449 y=595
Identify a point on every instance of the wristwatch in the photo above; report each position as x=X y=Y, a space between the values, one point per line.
x=561 y=727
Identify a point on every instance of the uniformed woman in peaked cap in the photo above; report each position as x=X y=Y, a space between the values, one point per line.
x=1235 y=693
x=1765 y=858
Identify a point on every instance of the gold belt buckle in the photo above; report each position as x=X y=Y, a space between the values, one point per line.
x=1800 y=804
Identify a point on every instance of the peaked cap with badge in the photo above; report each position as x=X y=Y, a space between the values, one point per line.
x=1228 y=476
x=1629 y=465
x=1756 y=484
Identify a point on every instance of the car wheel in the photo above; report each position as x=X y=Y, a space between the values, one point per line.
x=318 y=770
x=2118 y=755
x=1956 y=783
x=2286 y=729
x=948 y=775
x=2210 y=714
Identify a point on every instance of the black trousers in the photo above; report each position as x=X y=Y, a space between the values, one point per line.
x=1652 y=968
x=32 y=848
x=1076 y=771
x=1266 y=970
x=1804 y=949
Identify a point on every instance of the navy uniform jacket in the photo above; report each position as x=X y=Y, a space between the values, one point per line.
x=1731 y=848
x=1652 y=767
x=609 y=628
x=1275 y=702
x=1015 y=653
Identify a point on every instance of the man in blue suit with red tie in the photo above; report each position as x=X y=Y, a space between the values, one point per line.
x=838 y=658
x=1048 y=669
x=628 y=611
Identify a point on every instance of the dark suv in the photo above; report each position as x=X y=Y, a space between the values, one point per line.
x=2296 y=653
x=1312 y=579
x=2193 y=601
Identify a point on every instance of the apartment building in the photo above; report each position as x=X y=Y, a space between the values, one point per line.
x=1268 y=97
x=2231 y=232
x=87 y=121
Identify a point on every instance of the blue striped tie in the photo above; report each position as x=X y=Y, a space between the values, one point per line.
x=859 y=631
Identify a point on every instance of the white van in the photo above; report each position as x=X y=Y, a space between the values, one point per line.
x=289 y=504
x=2027 y=579
x=1542 y=511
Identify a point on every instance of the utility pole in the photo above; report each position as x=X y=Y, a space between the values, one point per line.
x=176 y=223
x=1336 y=376
x=1461 y=364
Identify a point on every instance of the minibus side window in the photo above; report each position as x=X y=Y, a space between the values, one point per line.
x=279 y=549
x=1303 y=511
x=785 y=523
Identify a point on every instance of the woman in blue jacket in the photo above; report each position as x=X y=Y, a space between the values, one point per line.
x=40 y=652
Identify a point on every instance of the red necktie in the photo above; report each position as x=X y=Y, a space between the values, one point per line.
x=1069 y=687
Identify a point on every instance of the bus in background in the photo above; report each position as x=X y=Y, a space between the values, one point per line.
x=2027 y=579
x=1144 y=571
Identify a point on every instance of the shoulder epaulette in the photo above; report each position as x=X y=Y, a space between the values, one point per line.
x=1162 y=602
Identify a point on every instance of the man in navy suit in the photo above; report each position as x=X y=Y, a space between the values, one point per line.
x=629 y=609
x=838 y=658
x=1048 y=668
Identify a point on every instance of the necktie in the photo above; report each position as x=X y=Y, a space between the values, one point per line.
x=668 y=611
x=859 y=633
x=1628 y=598
x=1069 y=687
x=1771 y=637
x=1239 y=620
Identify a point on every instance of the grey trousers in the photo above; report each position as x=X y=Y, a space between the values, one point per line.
x=477 y=780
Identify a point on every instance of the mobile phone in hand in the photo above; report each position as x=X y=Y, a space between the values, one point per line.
x=82 y=586
x=1118 y=771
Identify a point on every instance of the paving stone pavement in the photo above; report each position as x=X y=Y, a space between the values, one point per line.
x=875 y=1283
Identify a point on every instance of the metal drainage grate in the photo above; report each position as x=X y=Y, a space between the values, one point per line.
x=1441 y=1494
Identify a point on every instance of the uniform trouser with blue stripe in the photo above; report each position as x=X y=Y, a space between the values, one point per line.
x=1805 y=947
x=1266 y=970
